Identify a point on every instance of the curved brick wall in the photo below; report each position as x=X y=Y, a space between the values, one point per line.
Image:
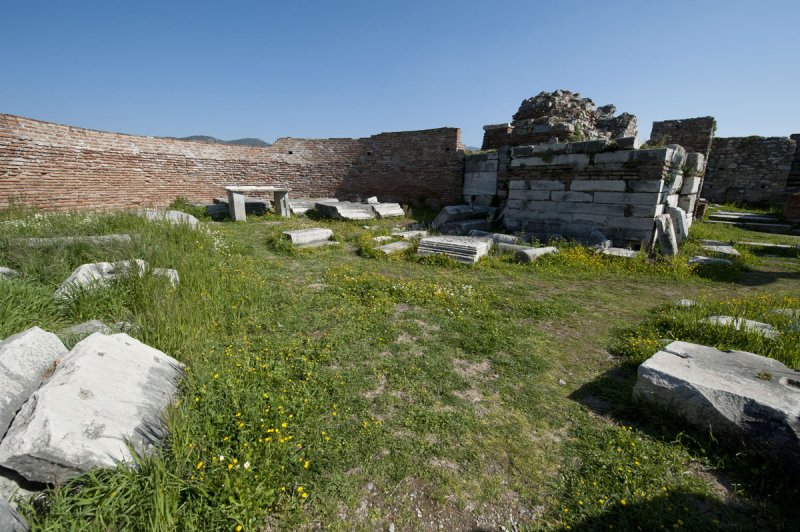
x=53 y=166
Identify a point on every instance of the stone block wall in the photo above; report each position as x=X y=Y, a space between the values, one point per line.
x=480 y=178
x=583 y=190
x=749 y=169
x=60 y=167
x=496 y=136
x=694 y=134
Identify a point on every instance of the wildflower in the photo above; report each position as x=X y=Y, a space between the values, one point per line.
x=247 y=465
x=300 y=489
x=623 y=502
x=216 y=375
x=200 y=465
x=304 y=495
x=238 y=528
x=305 y=464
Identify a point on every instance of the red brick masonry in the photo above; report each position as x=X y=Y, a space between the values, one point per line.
x=53 y=166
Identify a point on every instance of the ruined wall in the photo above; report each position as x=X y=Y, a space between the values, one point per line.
x=749 y=169
x=694 y=134
x=54 y=166
x=580 y=189
x=496 y=136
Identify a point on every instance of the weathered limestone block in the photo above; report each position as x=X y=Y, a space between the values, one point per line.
x=307 y=236
x=628 y=143
x=383 y=238
x=388 y=210
x=480 y=183
x=7 y=273
x=735 y=394
x=345 y=210
x=764 y=329
x=620 y=252
x=691 y=185
x=10 y=520
x=665 y=233
x=410 y=235
x=107 y=393
x=394 y=247
x=168 y=273
x=455 y=213
x=372 y=200
x=90 y=276
x=172 y=217
x=459 y=248
x=679 y=223
x=301 y=206
x=598 y=185
x=85 y=329
x=700 y=260
x=497 y=237
x=26 y=359
x=720 y=248
x=525 y=253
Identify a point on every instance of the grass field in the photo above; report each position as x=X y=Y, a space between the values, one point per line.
x=329 y=388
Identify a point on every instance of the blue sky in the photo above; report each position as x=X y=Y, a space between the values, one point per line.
x=355 y=68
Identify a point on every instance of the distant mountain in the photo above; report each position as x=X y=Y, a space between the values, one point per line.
x=257 y=143
x=471 y=148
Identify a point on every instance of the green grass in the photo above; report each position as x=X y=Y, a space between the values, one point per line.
x=340 y=388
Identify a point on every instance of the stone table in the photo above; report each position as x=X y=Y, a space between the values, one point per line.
x=236 y=200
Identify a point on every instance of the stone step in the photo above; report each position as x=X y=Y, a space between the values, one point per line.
x=729 y=216
x=780 y=229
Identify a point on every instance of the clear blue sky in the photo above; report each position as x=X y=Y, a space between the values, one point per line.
x=356 y=68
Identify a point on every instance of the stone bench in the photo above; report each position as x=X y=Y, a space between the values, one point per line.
x=236 y=202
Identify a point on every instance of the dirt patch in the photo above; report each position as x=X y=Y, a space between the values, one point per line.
x=378 y=391
x=318 y=287
x=470 y=371
x=444 y=463
x=405 y=338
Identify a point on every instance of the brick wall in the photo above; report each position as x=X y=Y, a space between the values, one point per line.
x=496 y=136
x=749 y=169
x=53 y=166
x=694 y=134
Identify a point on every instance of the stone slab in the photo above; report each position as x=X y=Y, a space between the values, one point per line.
x=169 y=216
x=26 y=359
x=720 y=248
x=394 y=247
x=620 y=252
x=665 y=234
x=459 y=248
x=307 y=236
x=525 y=253
x=735 y=394
x=764 y=329
x=383 y=238
x=98 y=274
x=700 y=260
x=454 y=213
x=345 y=210
x=409 y=235
x=388 y=210
x=301 y=206
x=497 y=237
x=107 y=394
x=10 y=520
x=7 y=273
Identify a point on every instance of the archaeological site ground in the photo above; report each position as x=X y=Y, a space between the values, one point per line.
x=568 y=328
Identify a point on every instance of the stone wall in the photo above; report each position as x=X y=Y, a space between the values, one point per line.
x=589 y=189
x=53 y=166
x=496 y=136
x=694 y=134
x=749 y=169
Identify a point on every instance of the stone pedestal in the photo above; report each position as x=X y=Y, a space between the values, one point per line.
x=236 y=206
x=281 y=203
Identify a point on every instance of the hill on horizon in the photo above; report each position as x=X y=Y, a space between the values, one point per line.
x=257 y=143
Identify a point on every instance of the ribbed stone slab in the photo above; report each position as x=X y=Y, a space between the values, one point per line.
x=734 y=394
x=307 y=236
x=459 y=248
x=388 y=210
x=107 y=394
x=345 y=210
x=764 y=329
x=394 y=247
x=26 y=359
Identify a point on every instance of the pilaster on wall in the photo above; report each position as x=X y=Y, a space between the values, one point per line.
x=58 y=167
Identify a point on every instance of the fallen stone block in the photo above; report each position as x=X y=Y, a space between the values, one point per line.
x=685 y=303
x=108 y=393
x=26 y=359
x=700 y=260
x=525 y=253
x=170 y=274
x=301 y=206
x=734 y=394
x=383 y=238
x=620 y=252
x=90 y=276
x=345 y=210
x=764 y=329
x=455 y=213
x=394 y=247
x=300 y=237
x=459 y=248
x=720 y=248
x=171 y=217
x=497 y=237
x=665 y=234
x=10 y=520
x=7 y=273
x=388 y=210
x=410 y=235
x=373 y=199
